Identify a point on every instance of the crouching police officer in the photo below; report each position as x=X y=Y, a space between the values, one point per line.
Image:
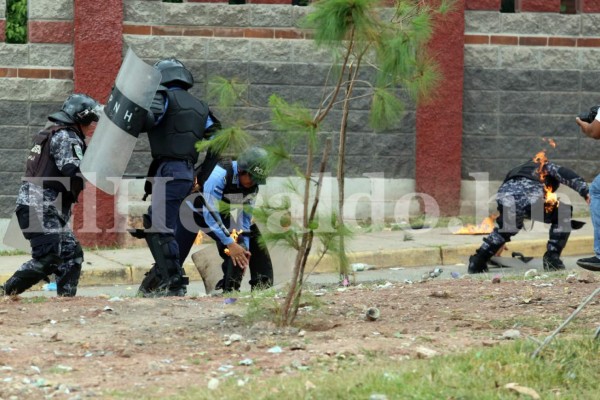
x=521 y=196
x=51 y=185
x=179 y=120
x=231 y=183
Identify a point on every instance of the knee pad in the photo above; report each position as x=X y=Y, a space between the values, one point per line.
x=78 y=255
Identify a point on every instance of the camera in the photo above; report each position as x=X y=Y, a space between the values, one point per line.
x=590 y=115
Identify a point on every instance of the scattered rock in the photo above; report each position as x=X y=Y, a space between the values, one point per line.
x=213 y=384
x=378 y=396
x=372 y=314
x=357 y=267
x=531 y=273
x=297 y=345
x=425 y=352
x=440 y=294
x=587 y=277
x=571 y=278
x=235 y=337
x=511 y=334
x=275 y=349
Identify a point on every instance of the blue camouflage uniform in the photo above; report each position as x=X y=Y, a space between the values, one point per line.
x=522 y=197
x=54 y=237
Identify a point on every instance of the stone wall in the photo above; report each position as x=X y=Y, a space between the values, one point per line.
x=527 y=75
x=35 y=78
x=264 y=46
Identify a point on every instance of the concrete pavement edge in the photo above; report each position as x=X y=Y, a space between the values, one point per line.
x=126 y=274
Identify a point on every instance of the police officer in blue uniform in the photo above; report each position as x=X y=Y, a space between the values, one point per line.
x=232 y=183
x=52 y=184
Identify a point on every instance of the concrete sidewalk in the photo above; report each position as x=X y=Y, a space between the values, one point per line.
x=381 y=249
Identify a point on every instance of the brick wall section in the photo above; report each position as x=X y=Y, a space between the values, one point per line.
x=540 y=5
x=2 y=20
x=50 y=21
x=50 y=31
x=490 y=5
x=590 y=6
x=35 y=79
x=265 y=46
x=526 y=77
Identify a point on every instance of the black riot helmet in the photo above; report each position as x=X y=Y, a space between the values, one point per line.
x=77 y=109
x=174 y=73
x=254 y=161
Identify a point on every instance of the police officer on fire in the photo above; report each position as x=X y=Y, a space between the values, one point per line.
x=523 y=195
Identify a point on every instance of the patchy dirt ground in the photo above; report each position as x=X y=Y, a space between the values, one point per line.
x=87 y=346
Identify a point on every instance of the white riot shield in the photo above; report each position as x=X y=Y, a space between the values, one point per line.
x=117 y=131
x=13 y=236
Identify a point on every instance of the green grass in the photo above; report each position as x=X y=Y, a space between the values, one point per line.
x=34 y=300
x=12 y=253
x=567 y=369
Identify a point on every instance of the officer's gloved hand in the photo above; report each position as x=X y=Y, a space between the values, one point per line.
x=148 y=122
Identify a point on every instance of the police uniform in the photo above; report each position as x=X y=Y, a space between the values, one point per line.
x=44 y=209
x=222 y=186
x=180 y=120
x=521 y=196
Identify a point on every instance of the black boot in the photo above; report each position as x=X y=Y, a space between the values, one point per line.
x=552 y=261
x=478 y=264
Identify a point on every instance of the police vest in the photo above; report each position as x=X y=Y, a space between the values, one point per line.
x=41 y=165
x=232 y=188
x=529 y=170
x=232 y=193
x=183 y=124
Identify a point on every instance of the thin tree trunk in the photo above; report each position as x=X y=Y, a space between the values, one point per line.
x=341 y=176
x=292 y=301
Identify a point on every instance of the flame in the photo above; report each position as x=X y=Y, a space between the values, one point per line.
x=486 y=226
x=550 y=198
x=550 y=141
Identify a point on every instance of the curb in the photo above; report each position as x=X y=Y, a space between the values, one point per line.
x=445 y=255
x=380 y=259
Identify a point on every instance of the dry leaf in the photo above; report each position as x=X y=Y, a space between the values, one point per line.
x=522 y=390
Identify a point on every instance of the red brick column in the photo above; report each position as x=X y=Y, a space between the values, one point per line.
x=98 y=43
x=2 y=30
x=540 y=5
x=439 y=122
x=590 y=6
x=488 y=5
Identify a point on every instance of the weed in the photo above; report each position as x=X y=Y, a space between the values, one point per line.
x=567 y=369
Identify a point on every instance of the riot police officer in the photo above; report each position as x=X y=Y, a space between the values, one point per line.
x=521 y=196
x=179 y=121
x=51 y=185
